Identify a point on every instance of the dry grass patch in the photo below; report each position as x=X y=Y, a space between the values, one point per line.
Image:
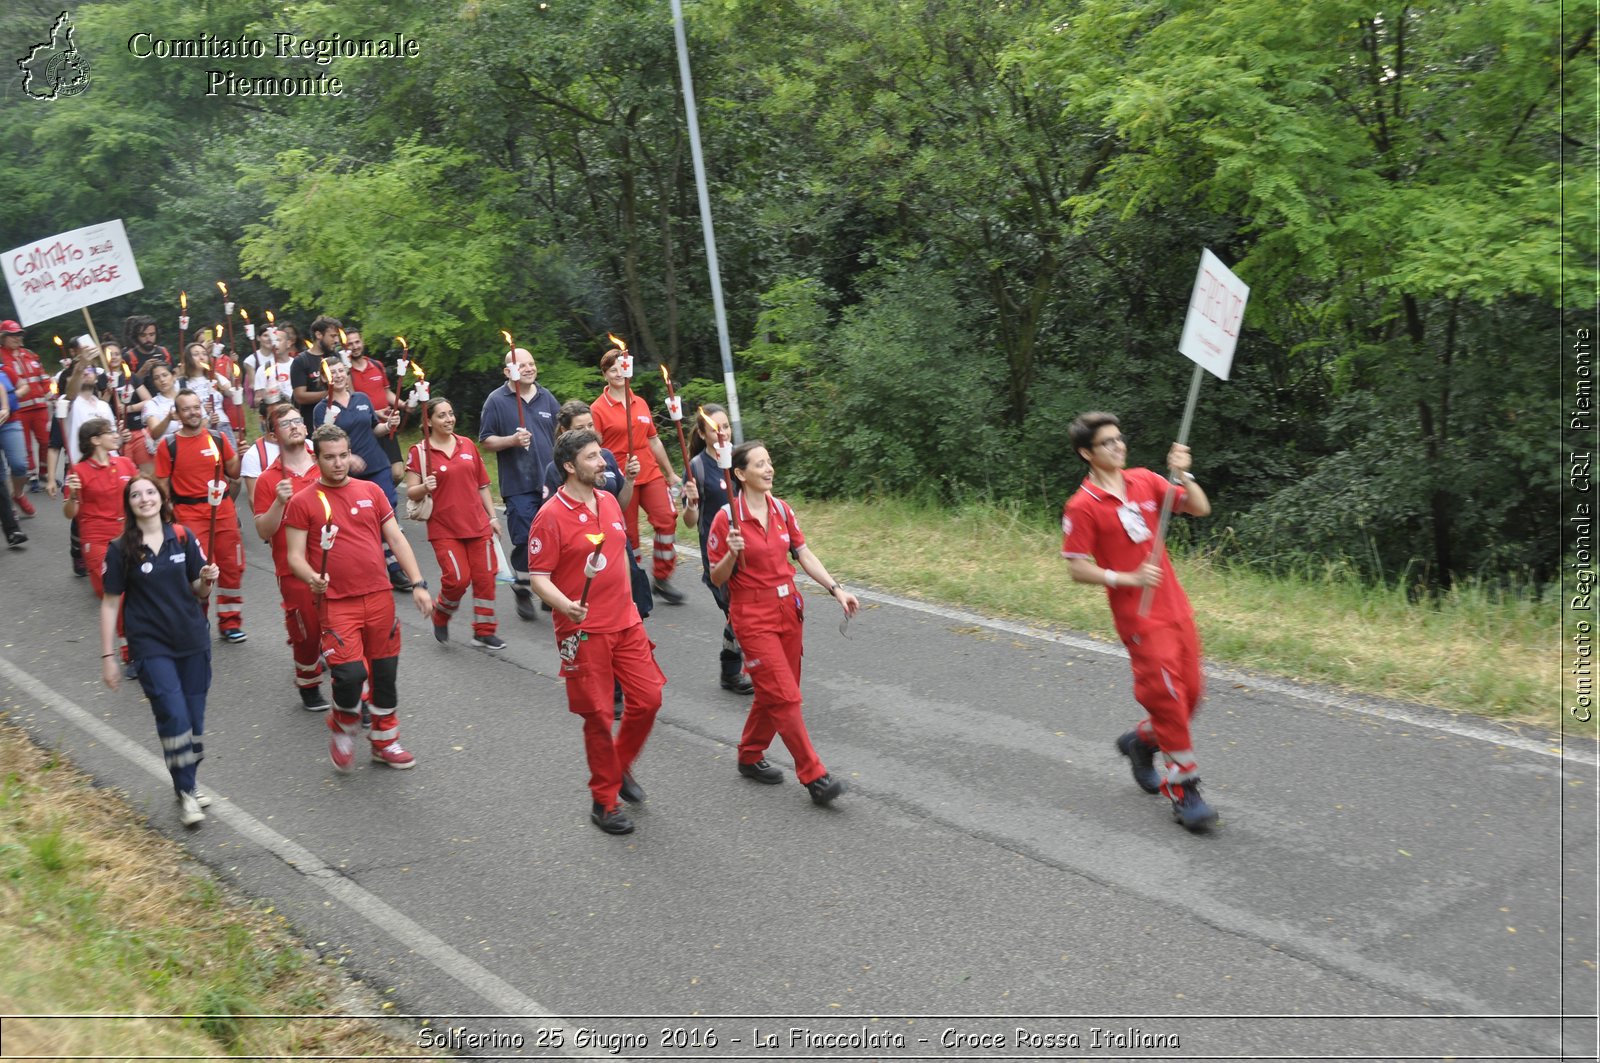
x=100 y=914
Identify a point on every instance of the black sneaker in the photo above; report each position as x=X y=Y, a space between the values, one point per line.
x=1142 y=757
x=312 y=700
x=825 y=789
x=366 y=715
x=614 y=821
x=489 y=642
x=739 y=684
x=631 y=791
x=441 y=632
x=525 y=607
x=1190 y=809
x=16 y=539
x=398 y=581
x=665 y=592
x=763 y=772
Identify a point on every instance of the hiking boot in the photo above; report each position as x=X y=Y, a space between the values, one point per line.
x=16 y=539
x=1189 y=808
x=525 y=607
x=739 y=684
x=311 y=698
x=489 y=642
x=825 y=788
x=234 y=636
x=762 y=772
x=393 y=755
x=614 y=821
x=631 y=791
x=189 y=813
x=441 y=632
x=1142 y=757
x=664 y=591
x=342 y=751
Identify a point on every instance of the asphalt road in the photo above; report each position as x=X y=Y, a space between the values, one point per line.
x=1387 y=882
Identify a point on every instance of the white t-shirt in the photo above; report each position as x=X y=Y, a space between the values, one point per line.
x=251 y=464
x=274 y=374
x=84 y=409
x=157 y=407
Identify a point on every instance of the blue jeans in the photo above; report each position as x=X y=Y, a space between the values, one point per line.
x=15 y=447
x=177 y=688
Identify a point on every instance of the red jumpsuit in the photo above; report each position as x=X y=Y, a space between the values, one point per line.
x=459 y=531
x=611 y=646
x=1164 y=647
x=32 y=412
x=299 y=604
x=768 y=615
x=650 y=486
x=196 y=466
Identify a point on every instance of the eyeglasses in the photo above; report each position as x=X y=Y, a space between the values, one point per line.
x=284 y=422
x=1113 y=441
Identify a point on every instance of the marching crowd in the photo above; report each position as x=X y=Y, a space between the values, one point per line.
x=149 y=455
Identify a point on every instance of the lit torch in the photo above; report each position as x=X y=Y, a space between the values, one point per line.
x=327 y=382
x=675 y=411
x=515 y=382
x=227 y=310
x=591 y=567
x=183 y=317
x=216 y=490
x=720 y=447
x=249 y=326
x=328 y=533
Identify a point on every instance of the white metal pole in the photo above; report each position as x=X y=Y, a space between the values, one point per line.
x=734 y=419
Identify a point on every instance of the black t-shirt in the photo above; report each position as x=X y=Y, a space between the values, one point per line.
x=306 y=372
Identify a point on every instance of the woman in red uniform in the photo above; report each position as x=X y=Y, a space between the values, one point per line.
x=94 y=494
x=612 y=412
x=463 y=524
x=749 y=546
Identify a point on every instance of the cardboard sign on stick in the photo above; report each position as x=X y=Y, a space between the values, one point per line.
x=63 y=273
x=1216 y=313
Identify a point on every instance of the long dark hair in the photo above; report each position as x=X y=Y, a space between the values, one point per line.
x=741 y=461
x=699 y=442
x=131 y=328
x=131 y=540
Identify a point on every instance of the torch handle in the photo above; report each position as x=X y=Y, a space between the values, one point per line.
x=588 y=581
x=1159 y=549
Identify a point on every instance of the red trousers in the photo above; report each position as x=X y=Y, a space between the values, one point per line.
x=227 y=552
x=465 y=563
x=1169 y=683
x=591 y=664
x=360 y=629
x=35 y=421
x=770 y=631
x=657 y=503
x=300 y=619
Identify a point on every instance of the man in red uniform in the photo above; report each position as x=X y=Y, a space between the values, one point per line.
x=1108 y=534
x=601 y=639
x=337 y=528
x=33 y=408
x=187 y=465
x=293 y=470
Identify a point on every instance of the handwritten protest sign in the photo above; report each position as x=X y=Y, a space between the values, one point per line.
x=1216 y=311
x=60 y=274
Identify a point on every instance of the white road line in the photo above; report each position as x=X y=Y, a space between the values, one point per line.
x=360 y=901
x=1327 y=699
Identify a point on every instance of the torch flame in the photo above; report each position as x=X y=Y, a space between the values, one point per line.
x=183 y=300
x=596 y=538
x=327 y=510
x=709 y=423
x=270 y=319
x=244 y=313
x=53 y=389
x=617 y=341
x=343 y=341
x=324 y=370
x=417 y=366
x=58 y=342
x=403 y=344
x=667 y=377
x=224 y=288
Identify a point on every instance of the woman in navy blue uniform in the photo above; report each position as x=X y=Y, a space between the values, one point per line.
x=705 y=492
x=157 y=578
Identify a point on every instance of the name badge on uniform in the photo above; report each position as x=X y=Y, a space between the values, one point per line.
x=1133 y=522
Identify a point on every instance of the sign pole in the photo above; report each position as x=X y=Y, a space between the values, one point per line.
x=1169 y=499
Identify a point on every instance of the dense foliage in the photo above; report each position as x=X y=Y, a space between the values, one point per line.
x=944 y=228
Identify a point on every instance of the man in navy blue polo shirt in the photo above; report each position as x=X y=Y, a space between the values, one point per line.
x=519 y=425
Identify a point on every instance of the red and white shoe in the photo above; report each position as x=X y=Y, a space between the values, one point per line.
x=342 y=751
x=393 y=755
x=23 y=505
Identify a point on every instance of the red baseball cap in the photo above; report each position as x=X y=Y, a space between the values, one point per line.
x=10 y=326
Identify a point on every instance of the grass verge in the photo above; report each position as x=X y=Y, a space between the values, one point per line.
x=100 y=914
x=1474 y=650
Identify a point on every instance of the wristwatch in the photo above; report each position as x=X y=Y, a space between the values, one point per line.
x=419 y=583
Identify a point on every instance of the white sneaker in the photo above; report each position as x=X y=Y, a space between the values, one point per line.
x=189 y=813
x=201 y=798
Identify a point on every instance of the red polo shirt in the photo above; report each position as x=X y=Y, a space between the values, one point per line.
x=195 y=468
x=765 y=562
x=100 y=512
x=611 y=421
x=1093 y=526
x=267 y=493
x=458 y=511
x=557 y=548
x=373 y=382
x=355 y=564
